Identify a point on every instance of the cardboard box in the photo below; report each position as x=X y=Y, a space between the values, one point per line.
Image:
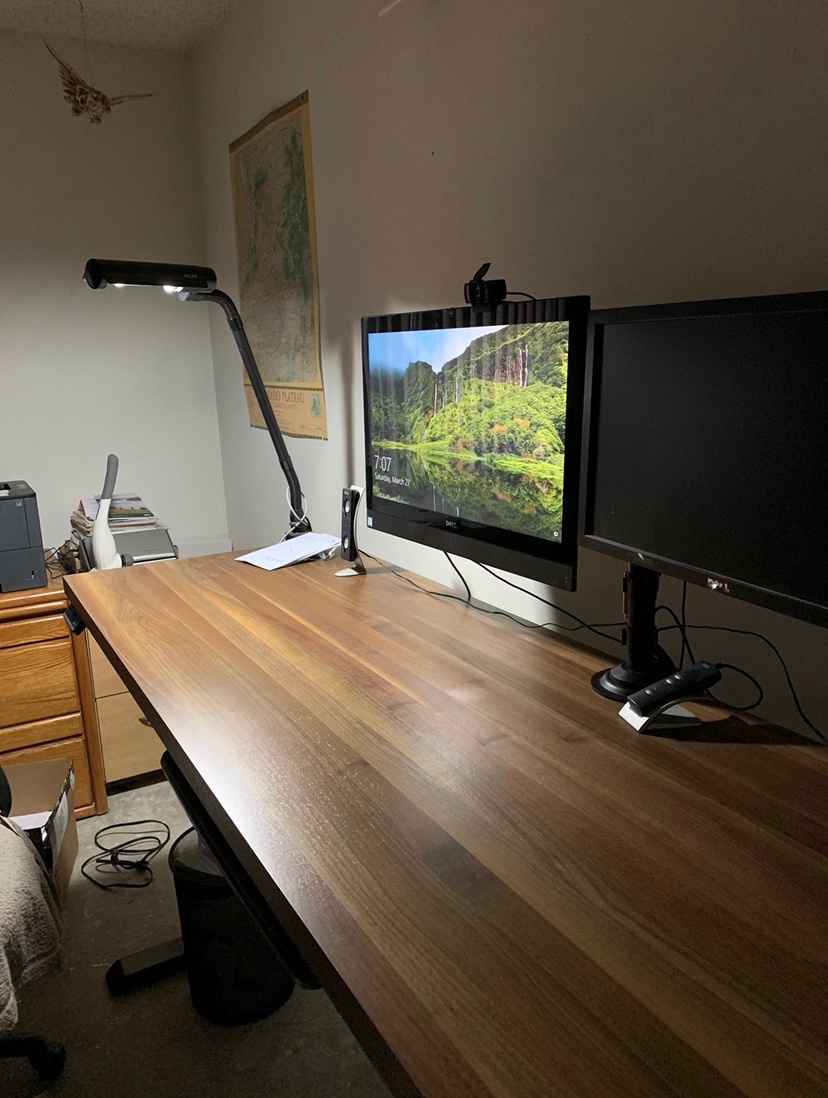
x=43 y=805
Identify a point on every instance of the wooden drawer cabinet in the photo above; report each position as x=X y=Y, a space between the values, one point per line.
x=130 y=746
x=38 y=680
x=32 y=733
x=49 y=627
x=47 y=709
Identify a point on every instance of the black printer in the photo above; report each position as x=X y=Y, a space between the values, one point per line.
x=22 y=564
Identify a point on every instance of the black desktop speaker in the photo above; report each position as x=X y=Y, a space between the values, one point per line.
x=348 y=547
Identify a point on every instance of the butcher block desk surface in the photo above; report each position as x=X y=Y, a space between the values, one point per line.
x=504 y=888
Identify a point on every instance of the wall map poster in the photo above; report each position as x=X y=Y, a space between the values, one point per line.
x=272 y=184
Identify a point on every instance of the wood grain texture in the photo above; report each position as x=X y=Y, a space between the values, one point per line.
x=105 y=678
x=520 y=894
x=38 y=681
x=31 y=630
x=94 y=749
x=130 y=748
x=36 y=732
x=33 y=602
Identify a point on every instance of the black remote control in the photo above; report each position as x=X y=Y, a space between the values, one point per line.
x=681 y=684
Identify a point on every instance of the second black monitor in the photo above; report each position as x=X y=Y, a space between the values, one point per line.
x=706 y=445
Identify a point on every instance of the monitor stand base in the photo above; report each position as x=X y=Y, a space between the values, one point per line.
x=620 y=681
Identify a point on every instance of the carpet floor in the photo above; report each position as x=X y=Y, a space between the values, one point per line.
x=151 y=1043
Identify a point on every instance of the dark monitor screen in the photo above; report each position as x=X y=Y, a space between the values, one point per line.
x=706 y=445
x=473 y=431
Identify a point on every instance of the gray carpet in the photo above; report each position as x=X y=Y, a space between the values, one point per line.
x=151 y=1041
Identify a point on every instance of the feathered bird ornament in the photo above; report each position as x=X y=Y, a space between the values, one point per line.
x=85 y=99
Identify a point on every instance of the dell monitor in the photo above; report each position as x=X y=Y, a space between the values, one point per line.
x=705 y=457
x=473 y=431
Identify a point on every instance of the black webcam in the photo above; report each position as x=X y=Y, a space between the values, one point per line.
x=481 y=294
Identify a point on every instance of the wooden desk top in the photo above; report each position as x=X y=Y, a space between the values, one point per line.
x=521 y=894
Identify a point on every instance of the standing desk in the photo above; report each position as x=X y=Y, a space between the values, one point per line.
x=505 y=889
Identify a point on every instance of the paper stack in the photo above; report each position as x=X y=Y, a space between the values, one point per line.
x=127 y=512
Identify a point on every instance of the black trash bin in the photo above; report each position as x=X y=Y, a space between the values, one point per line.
x=234 y=973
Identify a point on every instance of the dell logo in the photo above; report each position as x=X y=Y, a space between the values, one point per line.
x=451 y=523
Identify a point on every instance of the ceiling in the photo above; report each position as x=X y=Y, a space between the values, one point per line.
x=176 y=25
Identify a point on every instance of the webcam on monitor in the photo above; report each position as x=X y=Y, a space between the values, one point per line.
x=483 y=294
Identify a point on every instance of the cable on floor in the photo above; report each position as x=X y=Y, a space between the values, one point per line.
x=132 y=854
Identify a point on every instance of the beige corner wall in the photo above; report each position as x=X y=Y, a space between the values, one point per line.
x=637 y=152
x=83 y=374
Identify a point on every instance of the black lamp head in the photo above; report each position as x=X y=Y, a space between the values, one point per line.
x=99 y=273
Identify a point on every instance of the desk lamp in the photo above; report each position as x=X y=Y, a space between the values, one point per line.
x=104 y=551
x=199 y=284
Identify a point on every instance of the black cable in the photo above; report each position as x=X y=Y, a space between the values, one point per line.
x=520 y=293
x=54 y=566
x=399 y=575
x=60 y=561
x=683 y=630
x=460 y=574
x=505 y=613
x=756 y=683
x=132 y=854
x=685 y=643
x=682 y=627
x=558 y=609
x=778 y=654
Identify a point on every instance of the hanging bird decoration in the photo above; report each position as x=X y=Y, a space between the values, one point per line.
x=85 y=99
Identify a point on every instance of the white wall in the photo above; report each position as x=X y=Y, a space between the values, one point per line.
x=83 y=374
x=643 y=152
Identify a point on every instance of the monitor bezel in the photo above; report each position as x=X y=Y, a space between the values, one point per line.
x=816 y=301
x=549 y=562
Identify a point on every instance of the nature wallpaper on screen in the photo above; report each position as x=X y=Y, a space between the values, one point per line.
x=470 y=422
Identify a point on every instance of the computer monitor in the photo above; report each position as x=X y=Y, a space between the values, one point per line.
x=473 y=431
x=705 y=454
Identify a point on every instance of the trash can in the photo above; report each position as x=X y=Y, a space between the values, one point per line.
x=234 y=973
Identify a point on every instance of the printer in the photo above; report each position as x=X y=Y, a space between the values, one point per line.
x=22 y=564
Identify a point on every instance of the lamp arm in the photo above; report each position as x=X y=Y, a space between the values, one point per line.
x=299 y=521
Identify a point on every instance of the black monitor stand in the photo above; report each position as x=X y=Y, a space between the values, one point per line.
x=646 y=662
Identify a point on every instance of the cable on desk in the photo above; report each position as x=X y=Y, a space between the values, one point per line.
x=681 y=625
x=294 y=519
x=750 y=678
x=425 y=590
x=61 y=561
x=462 y=577
x=752 y=633
x=594 y=628
x=132 y=854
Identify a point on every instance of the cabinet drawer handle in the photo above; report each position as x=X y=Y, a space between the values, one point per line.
x=144 y=720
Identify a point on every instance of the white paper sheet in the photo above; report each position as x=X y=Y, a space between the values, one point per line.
x=291 y=551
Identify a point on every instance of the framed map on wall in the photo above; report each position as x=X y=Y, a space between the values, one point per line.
x=272 y=184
